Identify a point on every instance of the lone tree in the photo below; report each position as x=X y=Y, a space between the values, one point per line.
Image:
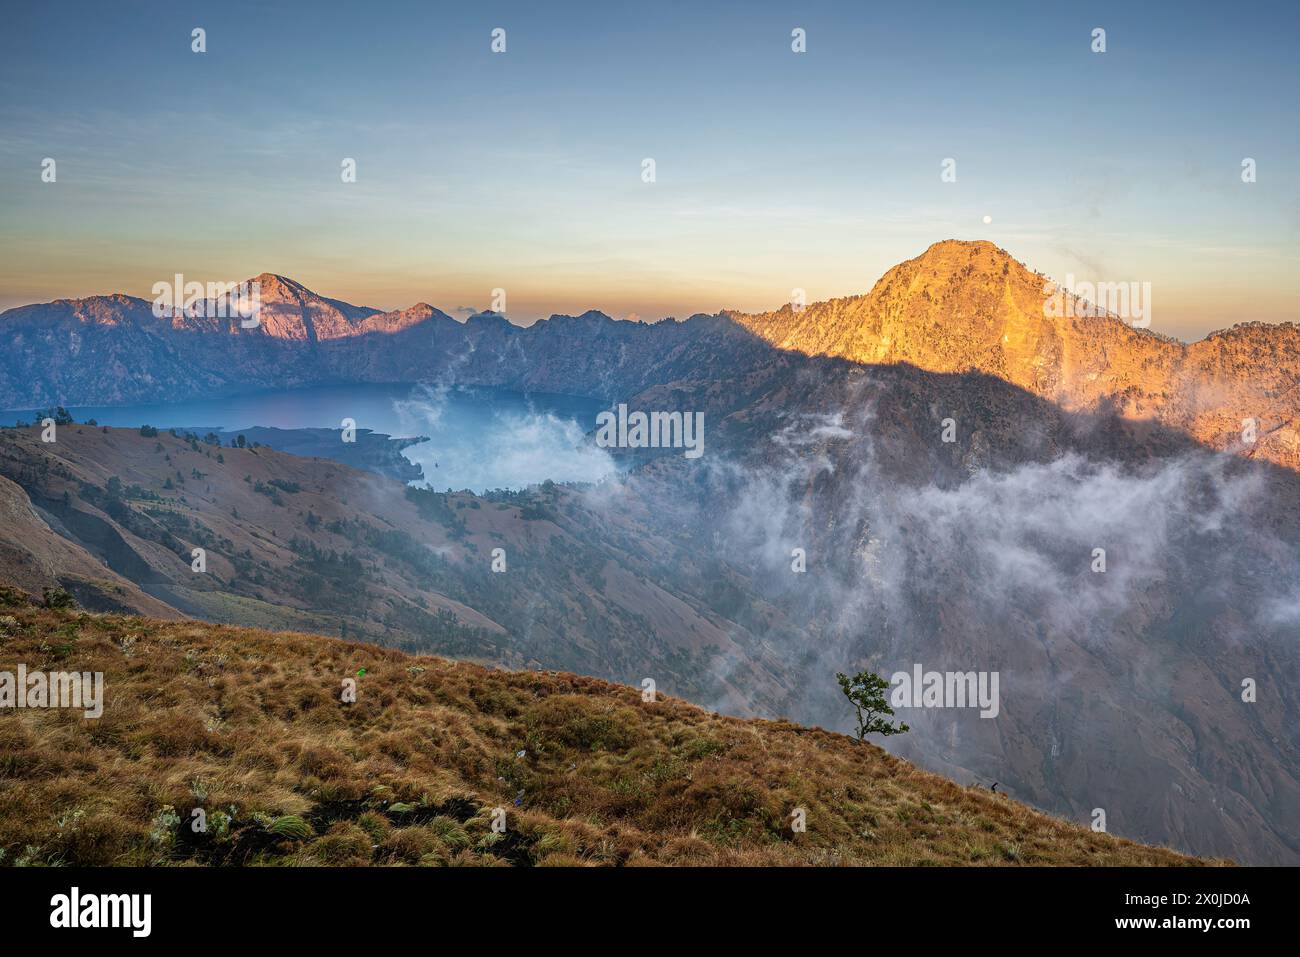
x=866 y=692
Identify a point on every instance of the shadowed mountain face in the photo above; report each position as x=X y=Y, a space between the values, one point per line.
x=1121 y=689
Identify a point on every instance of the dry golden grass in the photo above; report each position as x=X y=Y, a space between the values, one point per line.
x=249 y=726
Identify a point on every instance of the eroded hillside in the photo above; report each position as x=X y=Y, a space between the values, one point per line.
x=307 y=543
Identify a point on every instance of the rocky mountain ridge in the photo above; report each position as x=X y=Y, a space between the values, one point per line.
x=958 y=307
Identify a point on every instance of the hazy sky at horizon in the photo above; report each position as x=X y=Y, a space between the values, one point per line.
x=775 y=170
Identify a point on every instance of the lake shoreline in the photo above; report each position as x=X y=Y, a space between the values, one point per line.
x=463 y=437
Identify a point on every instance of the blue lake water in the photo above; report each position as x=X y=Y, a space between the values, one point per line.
x=478 y=438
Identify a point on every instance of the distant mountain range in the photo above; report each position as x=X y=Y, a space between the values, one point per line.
x=959 y=307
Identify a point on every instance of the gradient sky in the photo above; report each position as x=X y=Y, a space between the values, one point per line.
x=775 y=170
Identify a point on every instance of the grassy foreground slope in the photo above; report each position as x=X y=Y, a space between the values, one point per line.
x=249 y=726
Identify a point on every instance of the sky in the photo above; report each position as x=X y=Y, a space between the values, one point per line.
x=774 y=170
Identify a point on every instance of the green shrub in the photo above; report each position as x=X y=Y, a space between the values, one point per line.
x=291 y=827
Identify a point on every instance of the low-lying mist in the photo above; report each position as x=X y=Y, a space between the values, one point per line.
x=488 y=439
x=1125 y=608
